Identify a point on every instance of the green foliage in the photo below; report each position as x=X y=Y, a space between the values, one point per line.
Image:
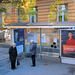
x=53 y=10
x=29 y=5
x=5 y=7
x=22 y=15
x=2 y=9
x=5 y=1
x=23 y=18
x=26 y=7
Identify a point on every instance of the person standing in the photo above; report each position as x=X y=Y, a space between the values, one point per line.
x=13 y=55
x=33 y=52
x=70 y=41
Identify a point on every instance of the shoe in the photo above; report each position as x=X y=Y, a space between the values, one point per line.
x=12 y=68
x=32 y=65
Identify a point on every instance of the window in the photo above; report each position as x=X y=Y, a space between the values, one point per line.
x=33 y=17
x=62 y=14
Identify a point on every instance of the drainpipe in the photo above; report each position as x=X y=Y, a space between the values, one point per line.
x=40 y=45
x=18 y=14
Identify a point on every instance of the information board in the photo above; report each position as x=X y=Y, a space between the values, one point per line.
x=68 y=43
x=19 y=40
x=32 y=36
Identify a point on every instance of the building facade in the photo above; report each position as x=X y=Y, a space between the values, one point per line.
x=44 y=27
x=66 y=6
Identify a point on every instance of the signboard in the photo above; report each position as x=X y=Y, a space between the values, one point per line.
x=55 y=40
x=16 y=36
x=68 y=43
x=19 y=49
x=19 y=40
x=69 y=50
x=44 y=38
x=32 y=36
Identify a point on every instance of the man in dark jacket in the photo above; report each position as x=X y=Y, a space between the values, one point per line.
x=33 y=52
x=13 y=55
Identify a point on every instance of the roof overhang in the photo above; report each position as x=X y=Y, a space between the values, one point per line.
x=13 y=27
x=42 y=25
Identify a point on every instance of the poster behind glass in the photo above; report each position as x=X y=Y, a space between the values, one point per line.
x=68 y=43
x=16 y=36
x=32 y=36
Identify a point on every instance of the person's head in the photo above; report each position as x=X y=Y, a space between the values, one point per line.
x=13 y=45
x=70 y=35
x=31 y=41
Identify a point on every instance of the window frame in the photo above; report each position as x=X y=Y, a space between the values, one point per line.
x=63 y=14
x=35 y=17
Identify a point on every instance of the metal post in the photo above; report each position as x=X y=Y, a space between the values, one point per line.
x=40 y=45
x=24 y=45
x=24 y=40
x=12 y=36
x=60 y=47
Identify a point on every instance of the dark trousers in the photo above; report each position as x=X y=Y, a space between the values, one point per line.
x=33 y=59
x=13 y=64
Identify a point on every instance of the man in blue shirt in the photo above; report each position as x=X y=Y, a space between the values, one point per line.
x=33 y=52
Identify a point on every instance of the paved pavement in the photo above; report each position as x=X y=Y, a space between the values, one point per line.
x=49 y=66
x=4 y=57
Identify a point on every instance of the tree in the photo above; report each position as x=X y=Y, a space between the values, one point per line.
x=28 y=6
x=25 y=7
x=1 y=1
x=52 y=16
x=5 y=1
x=5 y=7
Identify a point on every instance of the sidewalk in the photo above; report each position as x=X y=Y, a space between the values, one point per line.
x=4 y=56
x=43 y=67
